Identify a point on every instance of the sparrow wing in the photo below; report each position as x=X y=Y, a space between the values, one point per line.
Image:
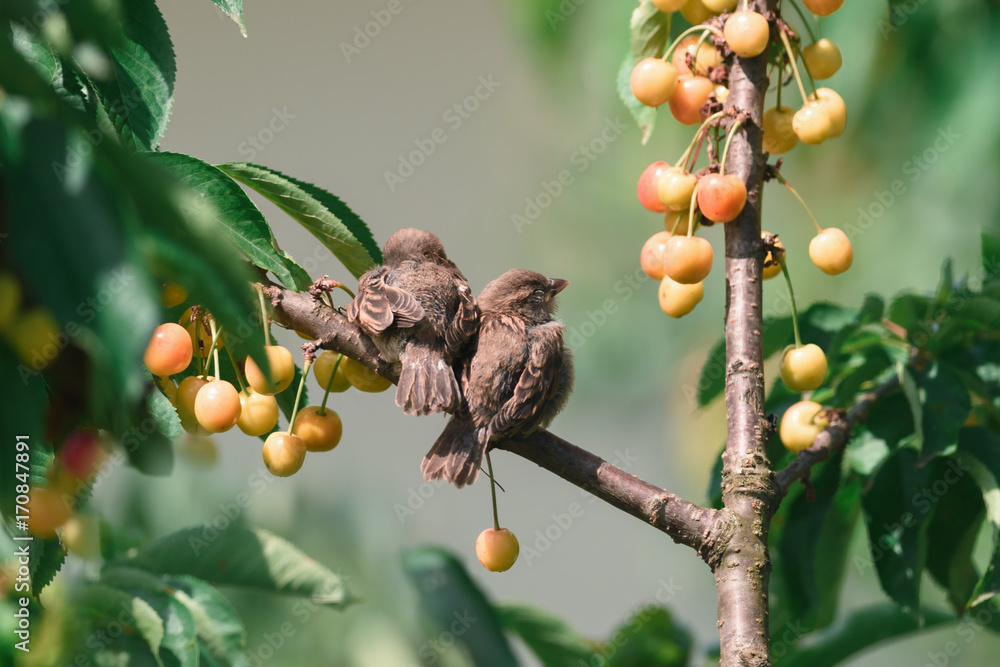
x=379 y=305
x=465 y=323
x=406 y=310
x=538 y=383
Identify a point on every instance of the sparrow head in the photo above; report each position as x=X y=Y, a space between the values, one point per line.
x=523 y=293
x=413 y=243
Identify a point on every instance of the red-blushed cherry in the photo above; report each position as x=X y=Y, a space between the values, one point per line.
x=691 y=95
x=319 y=431
x=771 y=266
x=835 y=108
x=81 y=454
x=258 y=413
x=823 y=7
x=217 y=406
x=653 y=81
x=677 y=300
x=800 y=425
x=707 y=56
x=822 y=59
x=812 y=124
x=652 y=255
x=675 y=187
x=779 y=136
x=688 y=259
x=648 y=195
x=169 y=350
x=831 y=251
x=282 y=371
x=803 y=368
x=363 y=378
x=721 y=197
x=283 y=454
x=747 y=33
x=497 y=549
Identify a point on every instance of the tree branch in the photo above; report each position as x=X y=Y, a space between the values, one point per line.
x=705 y=530
x=833 y=439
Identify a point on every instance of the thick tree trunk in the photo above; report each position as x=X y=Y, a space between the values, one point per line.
x=748 y=486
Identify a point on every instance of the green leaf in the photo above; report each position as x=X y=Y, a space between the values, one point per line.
x=220 y=630
x=649 y=31
x=895 y=514
x=449 y=599
x=645 y=117
x=650 y=637
x=859 y=631
x=325 y=216
x=979 y=450
x=991 y=255
x=242 y=557
x=139 y=95
x=36 y=51
x=945 y=405
x=47 y=558
x=101 y=604
x=951 y=535
x=219 y=196
x=234 y=10
x=548 y=637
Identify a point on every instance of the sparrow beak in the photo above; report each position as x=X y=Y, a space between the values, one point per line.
x=557 y=285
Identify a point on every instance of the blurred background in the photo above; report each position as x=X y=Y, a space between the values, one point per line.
x=521 y=91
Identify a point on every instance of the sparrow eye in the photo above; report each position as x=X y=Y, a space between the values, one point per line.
x=538 y=294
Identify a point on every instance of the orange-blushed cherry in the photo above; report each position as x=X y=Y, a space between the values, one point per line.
x=323 y=368
x=283 y=454
x=187 y=394
x=721 y=197
x=217 y=406
x=695 y=12
x=803 y=368
x=812 y=124
x=647 y=189
x=823 y=7
x=363 y=378
x=169 y=350
x=747 y=33
x=675 y=187
x=10 y=299
x=719 y=6
x=800 y=425
x=319 y=428
x=771 y=266
x=497 y=549
x=34 y=335
x=282 y=371
x=688 y=259
x=691 y=95
x=669 y=5
x=652 y=255
x=258 y=413
x=172 y=295
x=822 y=59
x=677 y=219
x=779 y=136
x=48 y=509
x=677 y=300
x=835 y=108
x=653 y=81
x=831 y=251
x=706 y=57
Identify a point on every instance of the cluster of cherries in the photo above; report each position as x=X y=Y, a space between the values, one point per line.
x=207 y=405
x=30 y=332
x=689 y=80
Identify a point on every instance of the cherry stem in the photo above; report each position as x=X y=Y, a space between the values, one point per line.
x=493 y=492
x=792 y=55
x=694 y=198
x=805 y=21
x=197 y=343
x=347 y=289
x=265 y=321
x=703 y=28
x=213 y=351
x=677 y=223
x=704 y=126
x=333 y=376
x=791 y=296
x=298 y=395
x=725 y=151
x=236 y=369
x=781 y=179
